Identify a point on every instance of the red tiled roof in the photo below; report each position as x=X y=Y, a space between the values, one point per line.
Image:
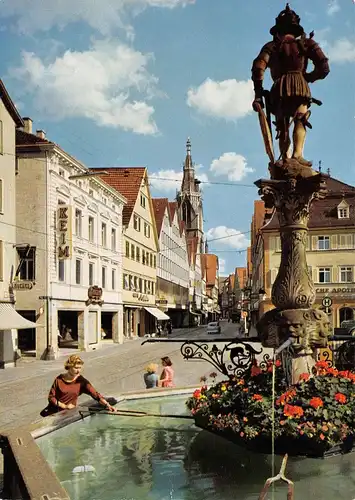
x=25 y=139
x=126 y=180
x=324 y=212
x=173 y=206
x=159 y=207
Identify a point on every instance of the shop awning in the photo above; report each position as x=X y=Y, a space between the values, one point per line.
x=154 y=311
x=11 y=319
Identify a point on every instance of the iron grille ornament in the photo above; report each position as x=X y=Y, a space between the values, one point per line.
x=232 y=360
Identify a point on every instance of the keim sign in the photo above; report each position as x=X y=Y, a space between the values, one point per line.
x=64 y=220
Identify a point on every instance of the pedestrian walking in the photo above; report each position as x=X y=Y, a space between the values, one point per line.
x=67 y=387
x=167 y=375
x=169 y=328
x=151 y=378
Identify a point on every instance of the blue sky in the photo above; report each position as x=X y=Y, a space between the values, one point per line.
x=124 y=82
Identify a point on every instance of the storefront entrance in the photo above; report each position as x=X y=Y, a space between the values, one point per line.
x=68 y=329
x=27 y=338
x=107 y=325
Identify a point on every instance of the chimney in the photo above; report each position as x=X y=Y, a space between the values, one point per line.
x=41 y=134
x=28 y=125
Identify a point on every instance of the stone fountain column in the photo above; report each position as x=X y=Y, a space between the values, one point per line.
x=291 y=191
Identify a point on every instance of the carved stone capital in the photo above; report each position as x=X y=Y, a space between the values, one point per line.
x=292 y=198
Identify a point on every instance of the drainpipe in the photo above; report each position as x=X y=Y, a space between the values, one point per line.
x=48 y=354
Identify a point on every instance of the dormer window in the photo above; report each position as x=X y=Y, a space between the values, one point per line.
x=343 y=210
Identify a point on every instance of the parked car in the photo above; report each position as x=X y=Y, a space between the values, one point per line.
x=214 y=327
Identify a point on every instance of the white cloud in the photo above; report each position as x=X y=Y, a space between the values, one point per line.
x=228 y=99
x=170 y=180
x=333 y=7
x=232 y=165
x=341 y=51
x=104 y=16
x=223 y=235
x=222 y=265
x=97 y=84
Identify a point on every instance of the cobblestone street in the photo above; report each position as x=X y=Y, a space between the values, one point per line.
x=112 y=369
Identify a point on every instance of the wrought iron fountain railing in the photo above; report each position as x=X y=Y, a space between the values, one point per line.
x=234 y=356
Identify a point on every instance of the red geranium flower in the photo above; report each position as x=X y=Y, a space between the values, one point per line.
x=316 y=403
x=304 y=377
x=341 y=398
x=197 y=394
x=293 y=411
x=257 y=397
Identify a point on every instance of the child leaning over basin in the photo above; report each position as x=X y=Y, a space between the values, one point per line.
x=150 y=376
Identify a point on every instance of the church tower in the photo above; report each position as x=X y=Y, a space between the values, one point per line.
x=190 y=200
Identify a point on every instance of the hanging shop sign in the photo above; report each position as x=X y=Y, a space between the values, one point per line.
x=22 y=285
x=335 y=290
x=64 y=229
x=94 y=296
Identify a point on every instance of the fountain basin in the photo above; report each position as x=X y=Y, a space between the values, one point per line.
x=108 y=458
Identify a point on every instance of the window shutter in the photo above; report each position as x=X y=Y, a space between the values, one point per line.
x=333 y=242
x=349 y=241
x=315 y=275
x=314 y=242
x=334 y=274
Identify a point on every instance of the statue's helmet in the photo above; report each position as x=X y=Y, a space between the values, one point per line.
x=287 y=22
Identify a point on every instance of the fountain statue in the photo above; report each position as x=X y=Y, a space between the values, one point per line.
x=292 y=187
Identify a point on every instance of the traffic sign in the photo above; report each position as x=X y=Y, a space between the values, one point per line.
x=327 y=302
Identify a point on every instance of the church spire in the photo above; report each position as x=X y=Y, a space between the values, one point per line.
x=188 y=180
x=188 y=160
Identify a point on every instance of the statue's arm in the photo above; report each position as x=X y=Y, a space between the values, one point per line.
x=319 y=60
x=260 y=64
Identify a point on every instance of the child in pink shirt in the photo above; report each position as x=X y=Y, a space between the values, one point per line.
x=167 y=375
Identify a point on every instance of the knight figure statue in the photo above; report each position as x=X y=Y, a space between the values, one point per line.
x=289 y=99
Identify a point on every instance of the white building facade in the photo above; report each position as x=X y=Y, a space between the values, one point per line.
x=173 y=269
x=71 y=280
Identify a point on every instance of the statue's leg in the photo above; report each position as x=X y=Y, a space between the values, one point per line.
x=283 y=132
x=299 y=134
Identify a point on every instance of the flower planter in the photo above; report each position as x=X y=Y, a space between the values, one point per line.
x=300 y=447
